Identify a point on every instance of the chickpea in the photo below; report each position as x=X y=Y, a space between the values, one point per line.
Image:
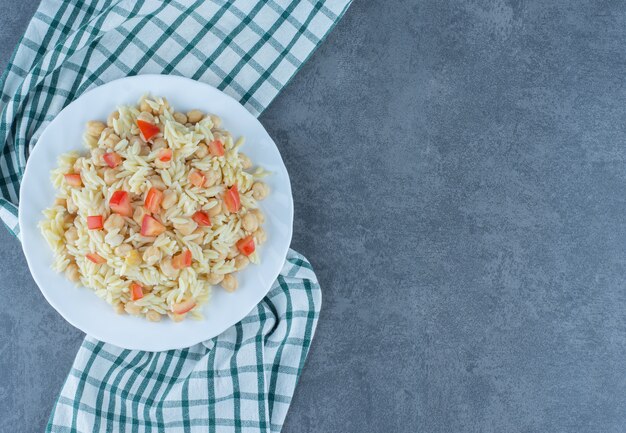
x=109 y=176
x=157 y=182
x=229 y=283
x=211 y=177
x=96 y=156
x=176 y=317
x=132 y=308
x=95 y=128
x=159 y=143
x=146 y=117
x=180 y=117
x=113 y=116
x=214 y=279
x=123 y=250
x=111 y=140
x=249 y=222
x=260 y=236
x=119 y=308
x=260 y=217
x=194 y=116
x=135 y=139
x=260 y=190
x=71 y=272
x=60 y=202
x=169 y=198
x=133 y=258
x=202 y=150
x=246 y=162
x=114 y=222
x=216 y=120
x=186 y=228
x=153 y=316
x=215 y=210
x=151 y=255
x=168 y=269
x=139 y=213
x=71 y=206
x=241 y=262
x=232 y=252
x=69 y=218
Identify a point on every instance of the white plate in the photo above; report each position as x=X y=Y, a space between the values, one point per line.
x=80 y=306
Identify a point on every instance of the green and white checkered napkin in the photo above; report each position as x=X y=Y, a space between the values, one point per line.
x=242 y=380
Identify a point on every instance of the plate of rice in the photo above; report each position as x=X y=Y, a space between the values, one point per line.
x=155 y=212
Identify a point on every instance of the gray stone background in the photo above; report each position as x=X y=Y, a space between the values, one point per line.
x=459 y=175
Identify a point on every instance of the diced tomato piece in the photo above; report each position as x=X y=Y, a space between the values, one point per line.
x=112 y=159
x=202 y=218
x=96 y=258
x=165 y=155
x=94 y=222
x=153 y=200
x=183 y=307
x=182 y=260
x=73 y=179
x=216 y=148
x=120 y=203
x=151 y=227
x=231 y=199
x=148 y=130
x=136 y=291
x=246 y=245
x=196 y=178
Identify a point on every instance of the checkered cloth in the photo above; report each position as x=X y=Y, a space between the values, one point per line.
x=239 y=381
x=242 y=380
x=248 y=49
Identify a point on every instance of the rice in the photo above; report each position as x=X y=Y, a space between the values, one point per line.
x=202 y=220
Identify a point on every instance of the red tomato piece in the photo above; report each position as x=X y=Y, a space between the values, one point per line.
x=96 y=258
x=165 y=155
x=94 y=222
x=120 y=203
x=151 y=227
x=216 y=148
x=246 y=245
x=196 y=178
x=202 y=218
x=183 y=307
x=153 y=200
x=182 y=260
x=73 y=179
x=148 y=130
x=231 y=199
x=136 y=291
x=112 y=159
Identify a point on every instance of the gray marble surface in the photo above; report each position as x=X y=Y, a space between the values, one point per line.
x=459 y=174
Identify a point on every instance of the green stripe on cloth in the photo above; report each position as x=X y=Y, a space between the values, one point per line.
x=250 y=50
x=242 y=380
